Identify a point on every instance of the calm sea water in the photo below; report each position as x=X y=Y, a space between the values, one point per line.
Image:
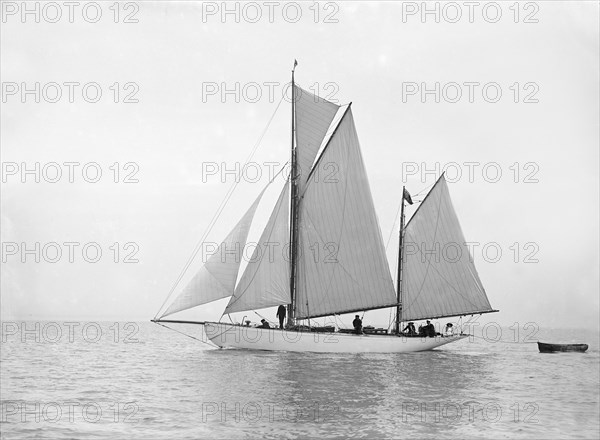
x=139 y=380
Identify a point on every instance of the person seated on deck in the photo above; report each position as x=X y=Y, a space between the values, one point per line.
x=264 y=324
x=449 y=331
x=357 y=323
x=409 y=330
x=430 y=330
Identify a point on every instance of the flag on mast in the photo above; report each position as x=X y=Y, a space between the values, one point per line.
x=407 y=197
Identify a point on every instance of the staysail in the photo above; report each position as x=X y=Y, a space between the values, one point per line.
x=313 y=117
x=216 y=278
x=342 y=265
x=266 y=279
x=438 y=277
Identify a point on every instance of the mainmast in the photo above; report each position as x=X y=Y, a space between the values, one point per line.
x=399 y=280
x=291 y=308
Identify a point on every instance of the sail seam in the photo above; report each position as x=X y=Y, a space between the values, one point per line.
x=447 y=282
x=318 y=159
x=261 y=259
x=429 y=261
x=325 y=293
x=167 y=313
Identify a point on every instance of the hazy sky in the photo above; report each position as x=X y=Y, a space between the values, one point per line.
x=541 y=212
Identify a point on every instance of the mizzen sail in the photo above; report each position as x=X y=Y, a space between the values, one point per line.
x=266 y=279
x=343 y=267
x=439 y=277
x=216 y=278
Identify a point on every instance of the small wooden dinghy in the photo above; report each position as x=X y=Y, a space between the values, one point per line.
x=552 y=348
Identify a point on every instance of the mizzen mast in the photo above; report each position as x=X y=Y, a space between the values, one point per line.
x=399 y=279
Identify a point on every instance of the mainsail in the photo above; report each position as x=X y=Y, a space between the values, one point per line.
x=313 y=117
x=342 y=266
x=438 y=274
x=216 y=278
x=266 y=279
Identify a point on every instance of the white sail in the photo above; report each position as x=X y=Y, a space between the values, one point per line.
x=313 y=118
x=266 y=279
x=216 y=278
x=342 y=265
x=438 y=277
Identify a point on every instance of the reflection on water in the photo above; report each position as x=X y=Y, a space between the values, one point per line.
x=166 y=385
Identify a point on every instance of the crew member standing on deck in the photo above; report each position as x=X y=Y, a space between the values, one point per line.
x=357 y=323
x=281 y=315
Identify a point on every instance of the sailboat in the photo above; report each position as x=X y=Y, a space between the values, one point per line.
x=436 y=275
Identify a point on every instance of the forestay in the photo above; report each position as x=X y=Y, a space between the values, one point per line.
x=438 y=277
x=216 y=278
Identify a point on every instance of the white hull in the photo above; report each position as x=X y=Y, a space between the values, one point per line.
x=252 y=338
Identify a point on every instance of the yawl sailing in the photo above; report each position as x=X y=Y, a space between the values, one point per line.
x=429 y=284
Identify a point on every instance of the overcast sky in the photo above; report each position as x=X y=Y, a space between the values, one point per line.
x=541 y=134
